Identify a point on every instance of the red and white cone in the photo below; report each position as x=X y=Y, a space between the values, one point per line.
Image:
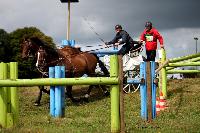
x=157 y=105
x=162 y=102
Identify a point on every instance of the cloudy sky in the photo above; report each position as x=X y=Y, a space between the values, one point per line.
x=177 y=20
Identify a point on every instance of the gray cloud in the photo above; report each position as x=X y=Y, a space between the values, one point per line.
x=171 y=17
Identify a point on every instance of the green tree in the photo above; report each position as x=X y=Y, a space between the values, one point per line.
x=5 y=54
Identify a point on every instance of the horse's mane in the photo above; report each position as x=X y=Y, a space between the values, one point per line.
x=52 y=51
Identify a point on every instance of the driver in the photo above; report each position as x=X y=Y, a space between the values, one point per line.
x=122 y=37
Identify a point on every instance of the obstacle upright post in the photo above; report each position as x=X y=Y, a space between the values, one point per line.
x=14 y=93
x=164 y=74
x=57 y=95
x=143 y=90
x=9 y=108
x=52 y=92
x=153 y=87
x=114 y=92
x=3 y=98
x=148 y=91
x=63 y=92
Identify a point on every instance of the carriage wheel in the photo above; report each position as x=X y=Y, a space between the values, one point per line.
x=130 y=74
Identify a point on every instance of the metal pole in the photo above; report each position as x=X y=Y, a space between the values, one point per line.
x=68 y=28
x=196 y=39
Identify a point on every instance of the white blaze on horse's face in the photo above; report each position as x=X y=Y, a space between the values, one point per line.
x=38 y=58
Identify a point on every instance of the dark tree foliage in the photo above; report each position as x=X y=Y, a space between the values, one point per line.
x=27 y=68
x=5 y=47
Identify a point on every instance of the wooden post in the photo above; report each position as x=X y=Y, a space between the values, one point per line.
x=114 y=96
x=14 y=93
x=3 y=97
x=122 y=122
x=164 y=74
x=149 y=92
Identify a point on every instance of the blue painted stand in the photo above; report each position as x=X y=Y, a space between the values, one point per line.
x=57 y=93
x=143 y=91
x=68 y=43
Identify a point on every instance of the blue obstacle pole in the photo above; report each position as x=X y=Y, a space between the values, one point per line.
x=153 y=86
x=52 y=92
x=148 y=102
x=58 y=94
x=72 y=43
x=134 y=81
x=143 y=91
x=63 y=91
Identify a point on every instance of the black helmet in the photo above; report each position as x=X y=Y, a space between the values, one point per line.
x=118 y=26
x=148 y=24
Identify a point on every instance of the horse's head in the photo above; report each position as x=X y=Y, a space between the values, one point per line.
x=41 y=63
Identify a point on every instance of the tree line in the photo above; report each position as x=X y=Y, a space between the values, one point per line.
x=10 y=49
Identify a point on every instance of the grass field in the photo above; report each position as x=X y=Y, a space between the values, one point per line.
x=183 y=114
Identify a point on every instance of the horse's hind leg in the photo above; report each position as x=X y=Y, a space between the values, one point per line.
x=87 y=95
x=103 y=68
x=69 y=94
x=105 y=91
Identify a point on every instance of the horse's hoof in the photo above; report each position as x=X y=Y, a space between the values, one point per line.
x=36 y=104
x=107 y=93
x=85 y=99
x=75 y=100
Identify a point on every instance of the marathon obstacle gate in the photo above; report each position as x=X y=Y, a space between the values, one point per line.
x=9 y=110
x=6 y=82
x=169 y=65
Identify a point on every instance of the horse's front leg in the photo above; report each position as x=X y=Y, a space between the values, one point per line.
x=41 y=89
x=37 y=102
x=69 y=94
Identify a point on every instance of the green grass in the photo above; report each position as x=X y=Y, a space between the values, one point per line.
x=183 y=114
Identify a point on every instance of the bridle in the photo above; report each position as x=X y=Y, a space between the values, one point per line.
x=40 y=59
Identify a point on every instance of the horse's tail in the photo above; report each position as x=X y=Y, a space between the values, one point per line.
x=102 y=66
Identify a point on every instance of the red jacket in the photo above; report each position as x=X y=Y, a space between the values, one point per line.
x=150 y=38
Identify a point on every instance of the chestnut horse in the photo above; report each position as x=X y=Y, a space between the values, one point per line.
x=76 y=62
